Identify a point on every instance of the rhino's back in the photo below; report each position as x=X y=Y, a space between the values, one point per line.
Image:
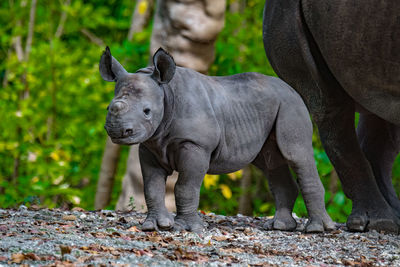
x=229 y=116
x=360 y=42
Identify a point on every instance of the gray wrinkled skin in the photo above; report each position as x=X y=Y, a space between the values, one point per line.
x=343 y=57
x=197 y=124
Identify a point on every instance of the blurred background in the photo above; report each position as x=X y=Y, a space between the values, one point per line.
x=53 y=147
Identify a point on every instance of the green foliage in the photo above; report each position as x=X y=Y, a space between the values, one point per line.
x=51 y=141
x=239 y=47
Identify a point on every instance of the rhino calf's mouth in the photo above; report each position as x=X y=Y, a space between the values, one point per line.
x=123 y=135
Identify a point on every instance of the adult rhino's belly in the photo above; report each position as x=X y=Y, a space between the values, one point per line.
x=360 y=44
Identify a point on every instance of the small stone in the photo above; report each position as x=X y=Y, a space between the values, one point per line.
x=83 y=216
x=22 y=208
x=108 y=213
x=34 y=207
x=79 y=209
x=247 y=230
x=221 y=220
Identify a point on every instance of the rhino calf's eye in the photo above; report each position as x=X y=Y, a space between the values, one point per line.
x=146 y=111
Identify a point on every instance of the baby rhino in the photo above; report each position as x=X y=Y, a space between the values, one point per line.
x=197 y=124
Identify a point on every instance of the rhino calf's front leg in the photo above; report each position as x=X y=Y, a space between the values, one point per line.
x=154 y=178
x=193 y=164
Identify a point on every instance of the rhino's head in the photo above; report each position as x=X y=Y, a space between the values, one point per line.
x=138 y=105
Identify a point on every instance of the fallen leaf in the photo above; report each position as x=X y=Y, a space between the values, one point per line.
x=104 y=248
x=133 y=229
x=69 y=217
x=176 y=242
x=181 y=254
x=155 y=239
x=115 y=253
x=17 y=257
x=115 y=234
x=98 y=235
x=63 y=264
x=65 y=250
x=363 y=262
x=32 y=256
x=219 y=238
x=232 y=250
x=143 y=252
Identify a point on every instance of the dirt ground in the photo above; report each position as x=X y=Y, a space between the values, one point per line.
x=105 y=238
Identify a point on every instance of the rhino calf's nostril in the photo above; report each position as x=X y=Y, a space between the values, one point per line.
x=128 y=132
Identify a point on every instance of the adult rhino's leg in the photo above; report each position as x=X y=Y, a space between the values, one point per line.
x=370 y=209
x=380 y=142
x=281 y=183
x=296 y=58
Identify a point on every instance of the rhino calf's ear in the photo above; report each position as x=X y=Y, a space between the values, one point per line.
x=110 y=69
x=164 y=66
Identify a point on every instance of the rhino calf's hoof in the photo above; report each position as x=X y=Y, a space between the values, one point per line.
x=191 y=223
x=162 y=221
x=318 y=225
x=282 y=223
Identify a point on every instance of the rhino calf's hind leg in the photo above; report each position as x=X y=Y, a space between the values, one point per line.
x=281 y=183
x=294 y=139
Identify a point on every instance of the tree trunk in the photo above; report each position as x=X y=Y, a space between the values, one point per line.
x=140 y=17
x=245 y=201
x=63 y=19
x=333 y=186
x=237 y=6
x=187 y=30
x=108 y=169
x=23 y=56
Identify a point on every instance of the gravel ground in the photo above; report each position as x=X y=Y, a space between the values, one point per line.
x=105 y=238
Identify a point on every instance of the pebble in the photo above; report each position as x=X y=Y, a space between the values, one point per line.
x=22 y=208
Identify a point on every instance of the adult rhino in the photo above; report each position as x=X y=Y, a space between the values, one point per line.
x=344 y=56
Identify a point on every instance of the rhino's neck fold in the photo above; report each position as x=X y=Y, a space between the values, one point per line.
x=169 y=102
